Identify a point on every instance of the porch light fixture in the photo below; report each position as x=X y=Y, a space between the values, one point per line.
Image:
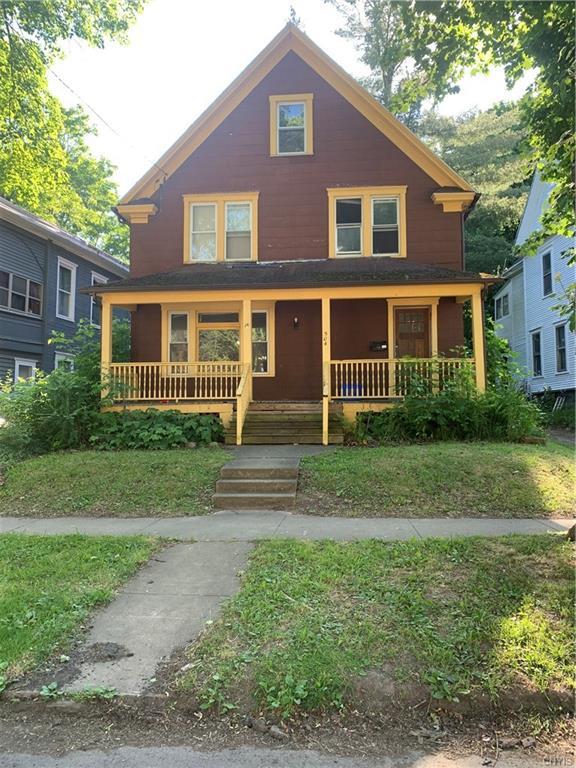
x=296 y=323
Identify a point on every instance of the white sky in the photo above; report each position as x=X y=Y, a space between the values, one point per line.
x=182 y=54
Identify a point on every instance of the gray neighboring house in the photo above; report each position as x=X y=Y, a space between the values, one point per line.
x=42 y=268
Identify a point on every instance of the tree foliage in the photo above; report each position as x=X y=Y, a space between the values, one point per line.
x=487 y=149
x=45 y=163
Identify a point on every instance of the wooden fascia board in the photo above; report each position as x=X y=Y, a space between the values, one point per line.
x=292 y=39
x=269 y=294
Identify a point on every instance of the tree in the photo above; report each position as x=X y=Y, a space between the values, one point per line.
x=486 y=148
x=45 y=163
x=444 y=39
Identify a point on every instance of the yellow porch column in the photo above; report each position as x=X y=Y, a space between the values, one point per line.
x=105 y=339
x=326 y=354
x=246 y=340
x=478 y=340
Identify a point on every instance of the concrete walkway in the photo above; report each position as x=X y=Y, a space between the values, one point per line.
x=261 y=524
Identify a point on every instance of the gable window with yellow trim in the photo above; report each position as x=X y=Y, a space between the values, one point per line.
x=367 y=221
x=221 y=227
x=291 y=124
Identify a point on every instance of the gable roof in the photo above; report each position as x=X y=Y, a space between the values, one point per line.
x=292 y=39
x=45 y=230
x=535 y=206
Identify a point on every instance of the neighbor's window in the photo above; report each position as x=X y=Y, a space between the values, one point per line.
x=95 y=303
x=349 y=226
x=498 y=308
x=547 y=274
x=505 y=305
x=238 y=232
x=291 y=124
x=221 y=228
x=561 y=360
x=64 y=360
x=385 y=226
x=367 y=221
x=536 y=354
x=24 y=369
x=203 y=232
x=20 y=294
x=179 y=337
x=260 y=342
x=66 y=289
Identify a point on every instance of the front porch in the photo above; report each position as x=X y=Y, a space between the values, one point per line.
x=290 y=346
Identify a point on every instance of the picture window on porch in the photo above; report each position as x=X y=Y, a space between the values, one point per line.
x=349 y=226
x=203 y=232
x=218 y=336
x=179 y=337
x=260 y=349
x=385 y=226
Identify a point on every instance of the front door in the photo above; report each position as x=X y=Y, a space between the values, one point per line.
x=412 y=326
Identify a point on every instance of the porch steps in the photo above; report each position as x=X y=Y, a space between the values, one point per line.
x=265 y=484
x=285 y=424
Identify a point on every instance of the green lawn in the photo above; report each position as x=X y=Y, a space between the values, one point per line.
x=48 y=585
x=441 y=479
x=455 y=615
x=113 y=483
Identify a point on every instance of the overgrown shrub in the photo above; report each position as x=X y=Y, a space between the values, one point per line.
x=503 y=414
x=154 y=429
x=85 y=346
x=564 y=417
x=49 y=412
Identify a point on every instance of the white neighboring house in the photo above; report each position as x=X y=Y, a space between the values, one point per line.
x=539 y=336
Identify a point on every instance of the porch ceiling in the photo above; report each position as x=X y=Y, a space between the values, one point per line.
x=293 y=274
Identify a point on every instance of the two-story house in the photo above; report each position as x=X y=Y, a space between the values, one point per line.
x=42 y=269
x=297 y=249
x=525 y=307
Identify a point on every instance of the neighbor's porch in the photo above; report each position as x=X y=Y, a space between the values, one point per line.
x=218 y=351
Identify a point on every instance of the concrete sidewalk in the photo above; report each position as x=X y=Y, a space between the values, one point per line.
x=263 y=524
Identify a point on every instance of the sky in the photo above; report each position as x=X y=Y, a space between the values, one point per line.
x=182 y=54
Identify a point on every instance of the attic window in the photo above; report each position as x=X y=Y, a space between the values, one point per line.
x=291 y=125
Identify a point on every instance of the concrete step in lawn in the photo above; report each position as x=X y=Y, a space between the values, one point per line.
x=257 y=484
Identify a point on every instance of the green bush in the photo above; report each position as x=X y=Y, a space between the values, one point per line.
x=504 y=415
x=564 y=417
x=154 y=429
x=48 y=413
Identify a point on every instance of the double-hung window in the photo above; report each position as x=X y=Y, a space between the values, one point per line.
x=561 y=360
x=221 y=227
x=24 y=369
x=547 y=274
x=95 y=303
x=291 y=124
x=536 y=353
x=19 y=294
x=178 y=337
x=367 y=221
x=66 y=289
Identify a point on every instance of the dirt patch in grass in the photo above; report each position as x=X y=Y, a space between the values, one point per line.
x=440 y=480
x=315 y=622
x=113 y=484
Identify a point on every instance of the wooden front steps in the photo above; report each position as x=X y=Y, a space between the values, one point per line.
x=257 y=484
x=285 y=424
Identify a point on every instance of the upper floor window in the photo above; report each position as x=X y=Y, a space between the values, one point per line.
x=221 y=227
x=502 y=307
x=291 y=124
x=19 y=294
x=66 y=289
x=547 y=274
x=367 y=221
x=561 y=361
x=95 y=304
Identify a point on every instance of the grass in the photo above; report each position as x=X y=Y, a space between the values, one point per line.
x=120 y=483
x=455 y=615
x=48 y=585
x=441 y=479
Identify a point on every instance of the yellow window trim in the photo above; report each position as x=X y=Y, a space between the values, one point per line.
x=292 y=98
x=367 y=194
x=219 y=200
x=192 y=310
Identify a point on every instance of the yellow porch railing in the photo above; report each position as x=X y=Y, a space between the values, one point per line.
x=157 y=382
x=243 y=398
x=380 y=379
